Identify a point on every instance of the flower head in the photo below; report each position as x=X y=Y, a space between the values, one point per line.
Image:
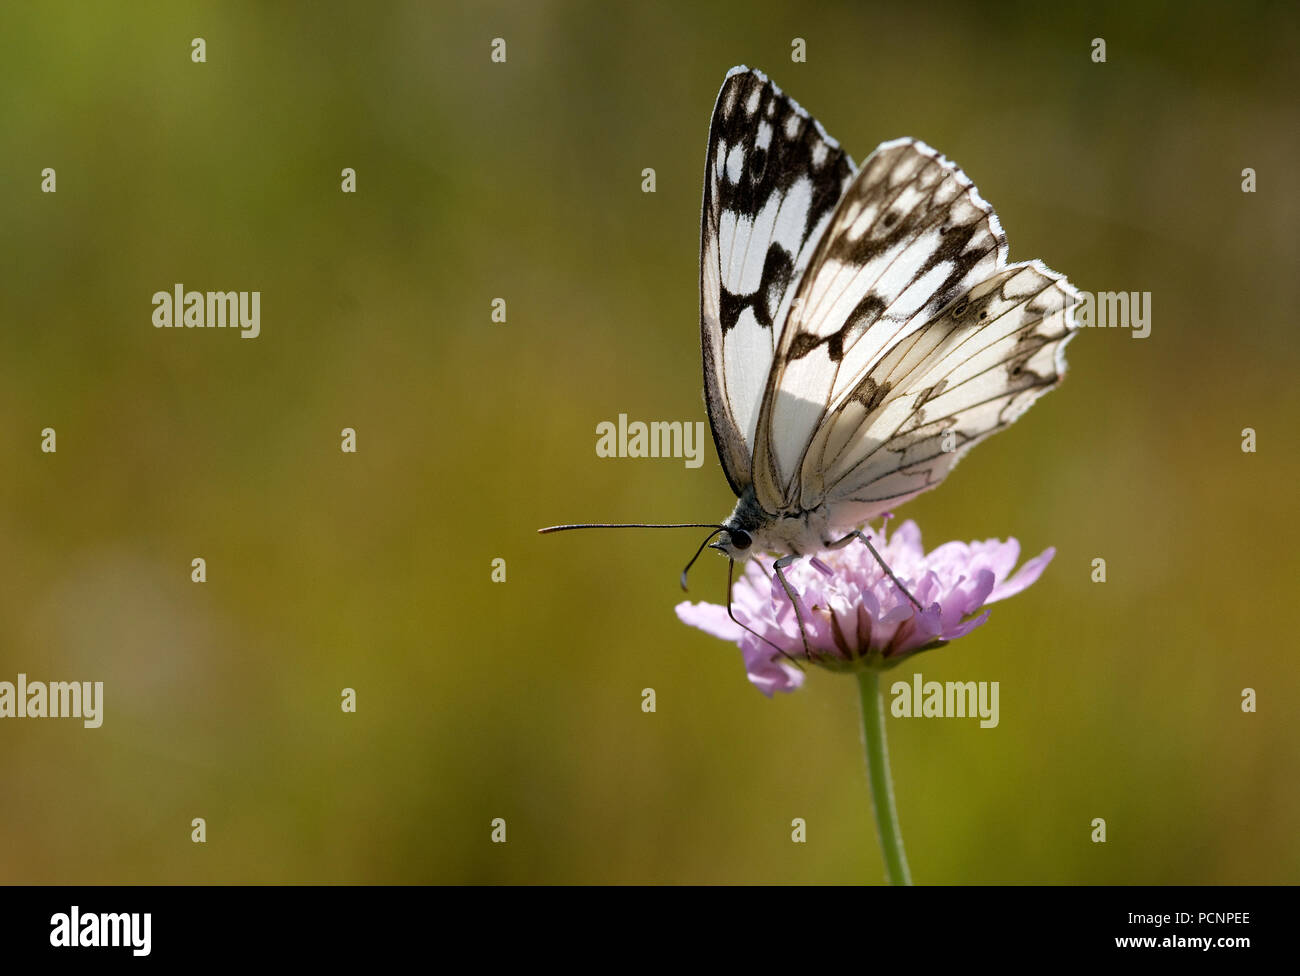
x=853 y=614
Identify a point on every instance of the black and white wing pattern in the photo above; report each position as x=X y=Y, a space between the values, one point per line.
x=861 y=330
x=910 y=235
x=968 y=373
x=772 y=179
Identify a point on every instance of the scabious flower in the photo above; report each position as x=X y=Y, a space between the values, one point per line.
x=854 y=615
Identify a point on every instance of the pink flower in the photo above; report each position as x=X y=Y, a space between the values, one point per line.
x=853 y=614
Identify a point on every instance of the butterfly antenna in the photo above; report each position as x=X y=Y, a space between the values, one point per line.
x=707 y=539
x=648 y=525
x=631 y=525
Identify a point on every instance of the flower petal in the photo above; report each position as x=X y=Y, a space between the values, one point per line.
x=710 y=618
x=766 y=674
x=1024 y=578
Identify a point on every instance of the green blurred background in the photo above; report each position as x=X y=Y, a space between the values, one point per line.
x=521 y=700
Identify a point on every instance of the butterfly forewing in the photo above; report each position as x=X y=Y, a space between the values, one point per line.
x=772 y=180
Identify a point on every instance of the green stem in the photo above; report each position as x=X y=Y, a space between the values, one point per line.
x=882 y=785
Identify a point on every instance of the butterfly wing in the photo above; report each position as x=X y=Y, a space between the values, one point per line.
x=910 y=235
x=772 y=180
x=966 y=374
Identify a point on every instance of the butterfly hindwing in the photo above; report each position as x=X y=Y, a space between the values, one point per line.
x=910 y=235
x=966 y=374
x=772 y=180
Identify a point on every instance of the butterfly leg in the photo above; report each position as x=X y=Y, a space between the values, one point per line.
x=841 y=543
x=779 y=565
x=763 y=569
x=731 y=565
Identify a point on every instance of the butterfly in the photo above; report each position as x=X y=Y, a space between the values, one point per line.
x=861 y=327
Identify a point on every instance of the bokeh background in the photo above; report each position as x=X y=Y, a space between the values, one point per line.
x=522 y=699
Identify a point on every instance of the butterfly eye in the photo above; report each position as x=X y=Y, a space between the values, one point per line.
x=740 y=539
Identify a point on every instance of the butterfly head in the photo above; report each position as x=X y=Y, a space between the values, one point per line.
x=734 y=543
x=745 y=531
x=731 y=538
